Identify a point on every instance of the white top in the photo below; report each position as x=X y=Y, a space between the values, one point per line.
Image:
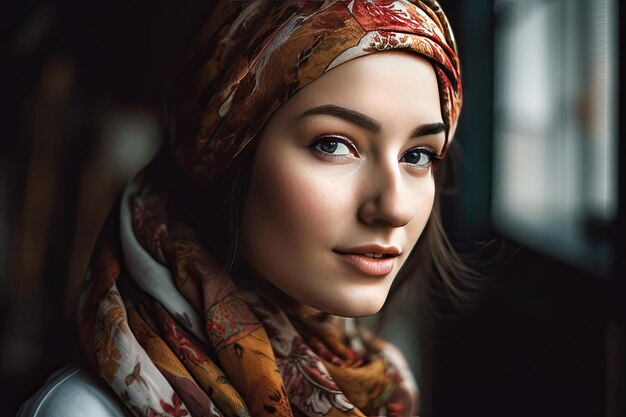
x=73 y=392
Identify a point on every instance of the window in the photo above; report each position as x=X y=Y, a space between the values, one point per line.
x=555 y=147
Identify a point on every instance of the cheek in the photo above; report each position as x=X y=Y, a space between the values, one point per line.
x=423 y=209
x=293 y=204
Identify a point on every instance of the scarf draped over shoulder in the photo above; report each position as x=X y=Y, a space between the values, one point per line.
x=172 y=334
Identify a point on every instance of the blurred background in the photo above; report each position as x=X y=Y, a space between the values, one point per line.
x=535 y=206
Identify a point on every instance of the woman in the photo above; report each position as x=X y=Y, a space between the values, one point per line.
x=299 y=193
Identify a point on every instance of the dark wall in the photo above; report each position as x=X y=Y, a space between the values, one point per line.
x=68 y=69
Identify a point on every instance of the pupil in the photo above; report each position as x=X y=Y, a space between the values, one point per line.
x=417 y=158
x=329 y=146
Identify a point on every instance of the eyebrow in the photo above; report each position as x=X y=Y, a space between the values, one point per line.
x=429 y=129
x=366 y=122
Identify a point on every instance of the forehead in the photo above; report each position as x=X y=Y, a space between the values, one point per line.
x=388 y=86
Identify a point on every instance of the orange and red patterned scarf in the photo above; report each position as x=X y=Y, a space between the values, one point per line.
x=161 y=322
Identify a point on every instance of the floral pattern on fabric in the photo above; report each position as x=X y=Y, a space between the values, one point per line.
x=229 y=320
x=307 y=384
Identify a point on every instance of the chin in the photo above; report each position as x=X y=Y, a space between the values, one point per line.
x=353 y=307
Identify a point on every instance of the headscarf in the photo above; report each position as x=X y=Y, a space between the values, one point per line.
x=250 y=58
x=164 y=325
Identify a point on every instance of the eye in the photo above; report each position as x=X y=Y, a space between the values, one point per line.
x=420 y=157
x=334 y=145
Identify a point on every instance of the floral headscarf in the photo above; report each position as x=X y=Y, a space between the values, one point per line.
x=161 y=322
x=251 y=57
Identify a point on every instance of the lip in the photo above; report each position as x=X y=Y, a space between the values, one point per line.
x=370 y=266
x=390 y=251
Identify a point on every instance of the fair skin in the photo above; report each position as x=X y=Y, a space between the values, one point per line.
x=342 y=185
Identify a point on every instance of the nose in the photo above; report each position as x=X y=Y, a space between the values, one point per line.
x=387 y=199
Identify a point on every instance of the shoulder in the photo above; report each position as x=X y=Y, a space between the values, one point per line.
x=72 y=392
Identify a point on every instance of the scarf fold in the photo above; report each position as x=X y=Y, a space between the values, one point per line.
x=244 y=356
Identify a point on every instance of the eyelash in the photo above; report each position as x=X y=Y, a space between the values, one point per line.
x=332 y=138
x=434 y=158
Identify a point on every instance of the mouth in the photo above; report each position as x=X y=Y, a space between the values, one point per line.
x=377 y=255
x=373 y=260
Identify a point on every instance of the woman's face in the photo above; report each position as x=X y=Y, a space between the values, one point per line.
x=342 y=183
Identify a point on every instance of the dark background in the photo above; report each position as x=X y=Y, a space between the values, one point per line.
x=546 y=339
